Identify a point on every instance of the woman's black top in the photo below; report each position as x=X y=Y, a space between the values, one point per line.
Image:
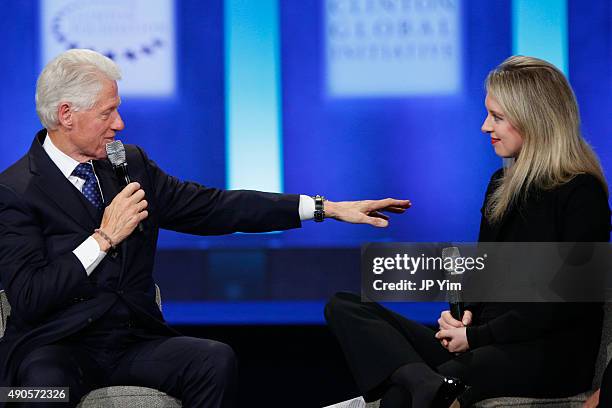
x=577 y=211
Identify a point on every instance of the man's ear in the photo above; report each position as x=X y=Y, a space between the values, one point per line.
x=64 y=115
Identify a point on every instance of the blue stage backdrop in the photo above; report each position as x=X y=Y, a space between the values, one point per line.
x=356 y=99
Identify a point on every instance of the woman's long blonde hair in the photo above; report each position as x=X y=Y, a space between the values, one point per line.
x=540 y=104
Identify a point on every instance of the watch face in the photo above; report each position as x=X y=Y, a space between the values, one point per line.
x=319 y=215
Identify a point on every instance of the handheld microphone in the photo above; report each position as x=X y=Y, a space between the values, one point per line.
x=457 y=307
x=116 y=155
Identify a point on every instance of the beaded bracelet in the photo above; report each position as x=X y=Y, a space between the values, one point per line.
x=106 y=237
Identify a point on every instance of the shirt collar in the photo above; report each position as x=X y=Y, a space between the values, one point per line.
x=65 y=163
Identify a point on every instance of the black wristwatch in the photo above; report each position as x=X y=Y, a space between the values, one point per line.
x=319 y=214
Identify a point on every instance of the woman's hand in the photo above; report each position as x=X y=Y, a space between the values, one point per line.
x=447 y=321
x=456 y=339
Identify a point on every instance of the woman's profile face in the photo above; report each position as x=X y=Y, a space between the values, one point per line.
x=506 y=140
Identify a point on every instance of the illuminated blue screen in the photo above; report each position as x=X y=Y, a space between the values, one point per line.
x=352 y=121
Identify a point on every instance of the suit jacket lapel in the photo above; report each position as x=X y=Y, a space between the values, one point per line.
x=51 y=182
x=110 y=188
x=108 y=180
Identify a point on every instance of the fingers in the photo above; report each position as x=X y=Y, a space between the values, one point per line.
x=467 y=318
x=366 y=211
x=394 y=210
x=380 y=220
x=138 y=218
x=130 y=189
x=390 y=203
x=125 y=212
x=132 y=192
x=137 y=196
x=142 y=215
x=379 y=215
x=449 y=320
x=449 y=345
x=443 y=325
x=142 y=205
x=376 y=222
x=443 y=334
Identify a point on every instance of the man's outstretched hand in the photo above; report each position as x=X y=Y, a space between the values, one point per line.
x=366 y=211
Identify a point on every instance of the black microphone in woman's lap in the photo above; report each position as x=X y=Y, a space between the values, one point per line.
x=456 y=306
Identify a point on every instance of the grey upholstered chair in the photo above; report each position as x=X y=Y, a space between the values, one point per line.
x=111 y=397
x=576 y=401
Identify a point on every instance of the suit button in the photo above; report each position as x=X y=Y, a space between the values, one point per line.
x=90 y=320
x=120 y=292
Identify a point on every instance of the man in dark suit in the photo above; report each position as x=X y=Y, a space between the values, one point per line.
x=77 y=270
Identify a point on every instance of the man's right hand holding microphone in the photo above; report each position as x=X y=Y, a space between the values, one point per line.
x=122 y=216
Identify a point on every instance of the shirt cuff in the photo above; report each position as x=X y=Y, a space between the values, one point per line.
x=89 y=254
x=307 y=208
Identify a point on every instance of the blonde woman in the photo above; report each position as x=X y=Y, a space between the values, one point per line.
x=552 y=191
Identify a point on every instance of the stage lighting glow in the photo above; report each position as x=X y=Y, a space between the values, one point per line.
x=540 y=29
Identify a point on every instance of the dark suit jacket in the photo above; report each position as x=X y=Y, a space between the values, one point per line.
x=43 y=218
x=577 y=211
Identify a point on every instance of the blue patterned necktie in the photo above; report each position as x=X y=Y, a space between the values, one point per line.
x=91 y=191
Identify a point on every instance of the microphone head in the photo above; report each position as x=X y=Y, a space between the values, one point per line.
x=116 y=153
x=453 y=253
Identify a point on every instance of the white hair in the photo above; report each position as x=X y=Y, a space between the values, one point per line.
x=75 y=77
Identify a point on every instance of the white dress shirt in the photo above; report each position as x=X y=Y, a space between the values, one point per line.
x=89 y=253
